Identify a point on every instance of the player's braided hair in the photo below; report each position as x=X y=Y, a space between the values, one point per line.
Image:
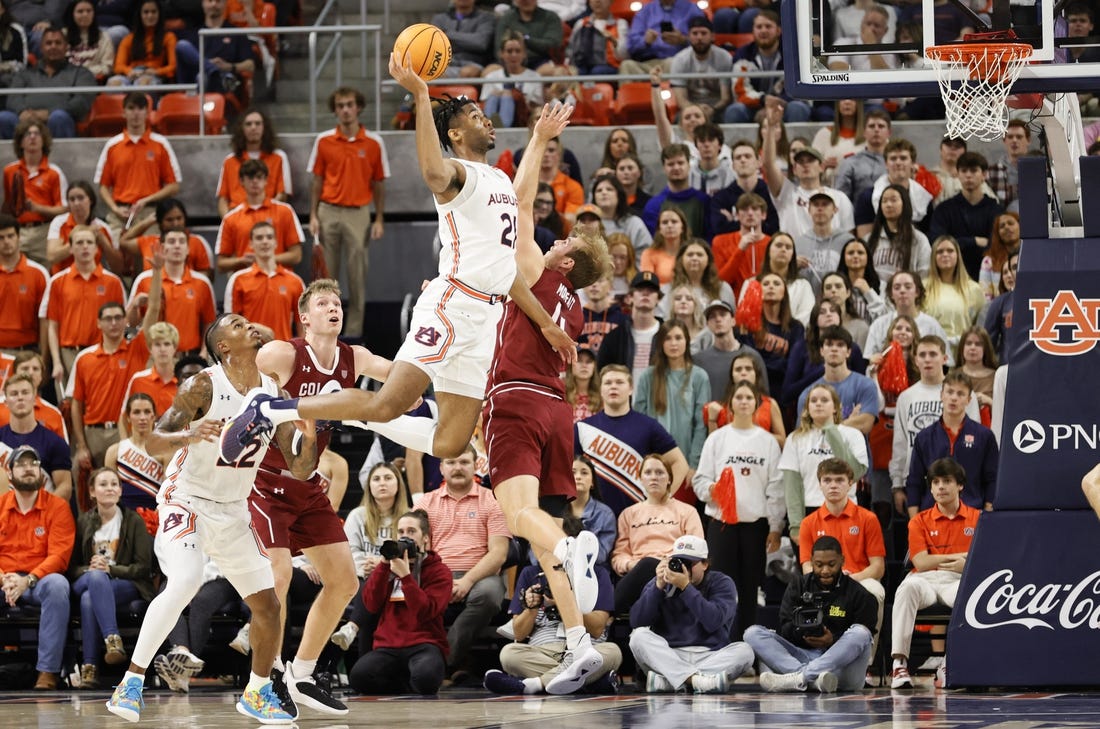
x=446 y=109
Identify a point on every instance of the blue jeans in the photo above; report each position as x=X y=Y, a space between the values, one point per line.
x=100 y=597
x=60 y=124
x=503 y=106
x=847 y=657
x=52 y=595
x=187 y=67
x=796 y=111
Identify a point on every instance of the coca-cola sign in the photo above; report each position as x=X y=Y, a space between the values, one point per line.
x=998 y=601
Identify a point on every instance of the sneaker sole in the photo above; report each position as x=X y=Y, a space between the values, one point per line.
x=241 y=709
x=826 y=683
x=586 y=548
x=127 y=714
x=185 y=662
x=573 y=677
x=315 y=704
x=172 y=680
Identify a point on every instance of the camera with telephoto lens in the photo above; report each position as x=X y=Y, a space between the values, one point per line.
x=401 y=548
x=809 y=616
x=542 y=587
x=675 y=564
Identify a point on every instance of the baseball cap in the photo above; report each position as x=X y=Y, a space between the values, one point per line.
x=716 y=304
x=822 y=196
x=646 y=278
x=810 y=151
x=700 y=21
x=24 y=450
x=588 y=209
x=586 y=349
x=690 y=547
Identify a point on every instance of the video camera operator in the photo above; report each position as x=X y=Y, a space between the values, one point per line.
x=409 y=590
x=826 y=624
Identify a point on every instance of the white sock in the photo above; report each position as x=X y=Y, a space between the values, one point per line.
x=131 y=674
x=532 y=685
x=561 y=549
x=303 y=669
x=281 y=411
x=256 y=682
x=574 y=637
x=415 y=433
x=277 y=665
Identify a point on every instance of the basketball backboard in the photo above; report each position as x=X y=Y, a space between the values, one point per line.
x=825 y=57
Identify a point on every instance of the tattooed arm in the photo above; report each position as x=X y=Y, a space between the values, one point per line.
x=303 y=463
x=174 y=429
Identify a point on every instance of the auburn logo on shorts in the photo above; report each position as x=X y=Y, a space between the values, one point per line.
x=1065 y=326
x=427 y=336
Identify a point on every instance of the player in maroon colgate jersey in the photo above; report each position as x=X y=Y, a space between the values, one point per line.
x=528 y=423
x=289 y=514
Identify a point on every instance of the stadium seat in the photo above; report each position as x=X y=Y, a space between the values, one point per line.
x=732 y=41
x=178 y=113
x=105 y=119
x=632 y=104
x=455 y=90
x=594 y=105
x=625 y=9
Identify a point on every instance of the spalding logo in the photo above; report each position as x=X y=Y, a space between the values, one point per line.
x=1065 y=326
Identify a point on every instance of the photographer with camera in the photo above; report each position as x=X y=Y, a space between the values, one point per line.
x=409 y=590
x=532 y=662
x=826 y=624
x=682 y=623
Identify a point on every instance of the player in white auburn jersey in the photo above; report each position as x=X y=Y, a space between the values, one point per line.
x=203 y=508
x=451 y=336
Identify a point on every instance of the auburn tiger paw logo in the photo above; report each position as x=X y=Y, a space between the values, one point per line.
x=1065 y=326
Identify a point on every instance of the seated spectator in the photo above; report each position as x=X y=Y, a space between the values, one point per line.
x=831 y=656
x=746 y=510
x=936 y=441
x=139 y=240
x=13 y=46
x=939 y=540
x=59 y=111
x=89 y=46
x=253 y=137
x=595 y=515
x=610 y=197
x=29 y=362
x=648 y=530
x=367 y=526
x=23 y=430
x=470 y=30
x=148 y=55
x=409 y=593
x=82 y=204
x=681 y=625
x=541 y=29
x=702 y=56
x=534 y=659
x=140 y=473
x=508 y=103
x=657 y=33
x=693 y=203
x=229 y=60
x=476 y=546
x=191 y=632
x=111 y=566
x=35 y=17
x=33 y=187
x=762 y=54
x=113 y=18
x=33 y=567
x=597 y=44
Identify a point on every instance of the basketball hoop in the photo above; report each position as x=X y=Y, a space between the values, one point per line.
x=975 y=80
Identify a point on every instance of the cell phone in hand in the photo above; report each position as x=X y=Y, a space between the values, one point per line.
x=666 y=26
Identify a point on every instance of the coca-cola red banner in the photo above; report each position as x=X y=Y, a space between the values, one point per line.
x=1028 y=608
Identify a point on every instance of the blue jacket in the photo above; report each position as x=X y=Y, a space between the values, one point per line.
x=975 y=450
x=698 y=616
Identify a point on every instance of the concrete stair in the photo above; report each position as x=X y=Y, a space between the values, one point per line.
x=288 y=103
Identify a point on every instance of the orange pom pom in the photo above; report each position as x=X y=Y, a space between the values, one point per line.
x=750 y=310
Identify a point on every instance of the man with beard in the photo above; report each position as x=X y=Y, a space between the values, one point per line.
x=36 y=538
x=834 y=651
x=702 y=56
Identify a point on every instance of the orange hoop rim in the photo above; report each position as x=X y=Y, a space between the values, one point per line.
x=992 y=59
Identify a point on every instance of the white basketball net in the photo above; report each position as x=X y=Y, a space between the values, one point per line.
x=975 y=81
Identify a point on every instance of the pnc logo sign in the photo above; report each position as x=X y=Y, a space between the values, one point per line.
x=1028 y=436
x=1065 y=326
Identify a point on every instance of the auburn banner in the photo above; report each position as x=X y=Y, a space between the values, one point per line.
x=1028 y=608
x=1051 y=429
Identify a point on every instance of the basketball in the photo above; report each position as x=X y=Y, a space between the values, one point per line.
x=428 y=49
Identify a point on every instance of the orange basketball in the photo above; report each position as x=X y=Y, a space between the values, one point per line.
x=427 y=47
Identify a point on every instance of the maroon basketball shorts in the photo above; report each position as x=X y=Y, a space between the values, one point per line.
x=292 y=514
x=530 y=433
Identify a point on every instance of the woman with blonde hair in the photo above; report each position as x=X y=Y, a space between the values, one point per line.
x=739 y=482
x=672 y=232
x=951 y=296
x=624 y=264
x=647 y=530
x=368 y=525
x=695 y=268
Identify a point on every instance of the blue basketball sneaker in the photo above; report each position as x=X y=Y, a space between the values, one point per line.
x=244 y=428
x=126 y=701
x=263 y=706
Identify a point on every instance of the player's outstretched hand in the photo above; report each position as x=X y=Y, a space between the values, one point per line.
x=561 y=342
x=404 y=75
x=553 y=119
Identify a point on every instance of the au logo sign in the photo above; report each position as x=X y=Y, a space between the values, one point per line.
x=1065 y=326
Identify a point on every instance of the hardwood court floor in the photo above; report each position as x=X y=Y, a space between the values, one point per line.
x=467 y=709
